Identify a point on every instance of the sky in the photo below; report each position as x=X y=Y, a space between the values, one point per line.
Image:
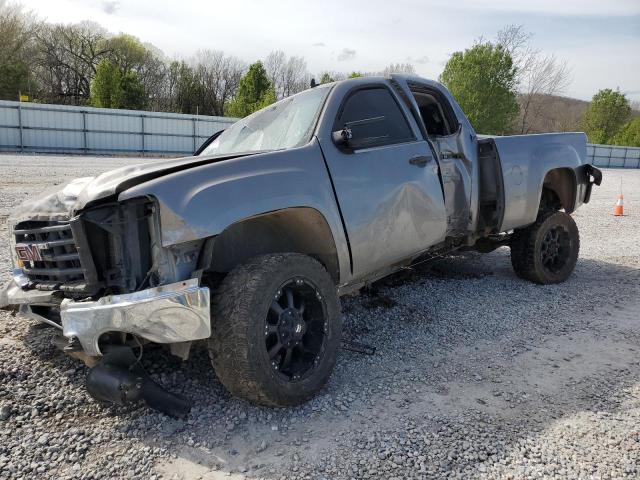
x=599 y=39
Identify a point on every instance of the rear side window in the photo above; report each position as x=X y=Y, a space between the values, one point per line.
x=375 y=118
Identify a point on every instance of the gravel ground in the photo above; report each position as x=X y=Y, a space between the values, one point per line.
x=477 y=374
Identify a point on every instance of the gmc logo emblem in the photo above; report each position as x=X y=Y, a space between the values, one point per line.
x=28 y=253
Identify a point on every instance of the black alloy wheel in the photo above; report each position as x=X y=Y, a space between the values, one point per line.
x=554 y=249
x=295 y=329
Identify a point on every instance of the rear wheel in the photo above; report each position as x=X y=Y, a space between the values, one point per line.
x=276 y=329
x=547 y=251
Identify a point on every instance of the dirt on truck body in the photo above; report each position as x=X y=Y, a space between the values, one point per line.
x=249 y=244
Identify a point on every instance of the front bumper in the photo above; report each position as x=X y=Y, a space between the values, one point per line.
x=178 y=312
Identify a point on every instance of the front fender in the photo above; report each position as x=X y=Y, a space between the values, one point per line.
x=202 y=202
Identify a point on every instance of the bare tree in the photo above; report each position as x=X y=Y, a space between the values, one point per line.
x=153 y=73
x=67 y=59
x=218 y=76
x=547 y=77
x=287 y=75
x=517 y=42
x=406 y=68
x=540 y=77
x=398 y=68
x=274 y=64
x=295 y=76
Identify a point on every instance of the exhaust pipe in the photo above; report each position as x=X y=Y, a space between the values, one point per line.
x=119 y=379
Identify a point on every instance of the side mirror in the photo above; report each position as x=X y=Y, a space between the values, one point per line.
x=342 y=137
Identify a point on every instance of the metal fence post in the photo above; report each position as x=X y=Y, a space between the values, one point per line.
x=20 y=126
x=142 y=131
x=193 y=119
x=84 y=131
x=624 y=160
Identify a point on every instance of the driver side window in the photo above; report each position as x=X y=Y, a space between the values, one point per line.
x=374 y=118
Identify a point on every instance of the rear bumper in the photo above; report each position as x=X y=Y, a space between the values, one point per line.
x=178 y=312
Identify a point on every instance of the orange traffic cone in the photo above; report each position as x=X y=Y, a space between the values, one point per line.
x=618 y=209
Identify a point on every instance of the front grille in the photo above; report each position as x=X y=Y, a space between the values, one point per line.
x=61 y=266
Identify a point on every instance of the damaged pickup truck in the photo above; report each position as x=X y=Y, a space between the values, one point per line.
x=248 y=244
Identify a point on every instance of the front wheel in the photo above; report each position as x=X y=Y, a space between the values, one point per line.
x=276 y=329
x=547 y=251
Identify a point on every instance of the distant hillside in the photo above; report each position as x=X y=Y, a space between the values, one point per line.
x=550 y=113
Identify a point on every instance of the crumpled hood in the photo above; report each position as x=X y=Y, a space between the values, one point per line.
x=57 y=204
x=63 y=203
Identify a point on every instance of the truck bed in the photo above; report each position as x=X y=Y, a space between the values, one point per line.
x=524 y=162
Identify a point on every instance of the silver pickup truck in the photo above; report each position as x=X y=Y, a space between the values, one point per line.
x=248 y=244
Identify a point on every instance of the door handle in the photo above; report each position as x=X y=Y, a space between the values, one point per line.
x=447 y=154
x=420 y=161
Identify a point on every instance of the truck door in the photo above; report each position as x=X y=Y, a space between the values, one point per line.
x=456 y=167
x=386 y=180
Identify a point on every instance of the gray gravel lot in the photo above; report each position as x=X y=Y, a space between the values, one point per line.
x=477 y=374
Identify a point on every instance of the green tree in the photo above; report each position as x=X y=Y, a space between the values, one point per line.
x=143 y=69
x=606 y=115
x=268 y=98
x=106 y=86
x=326 y=78
x=629 y=136
x=127 y=52
x=13 y=79
x=355 y=75
x=483 y=81
x=254 y=92
x=133 y=93
x=137 y=66
x=110 y=88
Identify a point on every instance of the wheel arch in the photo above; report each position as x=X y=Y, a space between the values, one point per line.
x=297 y=229
x=563 y=182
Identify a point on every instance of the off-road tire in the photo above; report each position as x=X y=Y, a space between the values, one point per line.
x=237 y=344
x=527 y=243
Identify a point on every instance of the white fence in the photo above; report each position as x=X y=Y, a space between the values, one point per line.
x=31 y=127
x=38 y=128
x=613 y=156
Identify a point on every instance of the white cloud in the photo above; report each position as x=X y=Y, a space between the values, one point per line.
x=110 y=7
x=346 y=54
